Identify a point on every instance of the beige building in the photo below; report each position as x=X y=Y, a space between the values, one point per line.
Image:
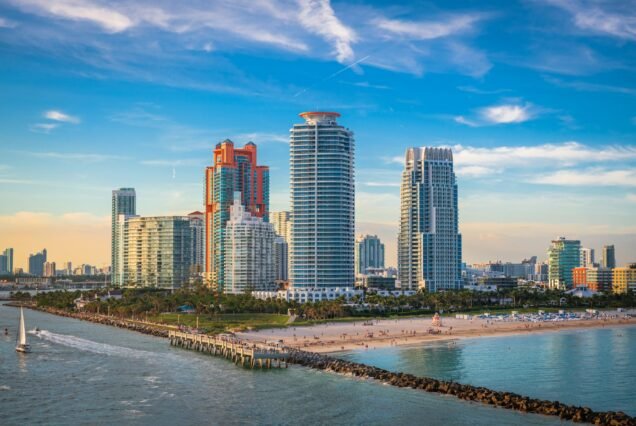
x=624 y=279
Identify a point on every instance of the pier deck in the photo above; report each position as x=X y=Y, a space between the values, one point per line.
x=231 y=348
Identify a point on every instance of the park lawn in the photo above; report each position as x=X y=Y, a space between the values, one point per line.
x=223 y=322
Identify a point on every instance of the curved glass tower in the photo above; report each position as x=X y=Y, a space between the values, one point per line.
x=322 y=202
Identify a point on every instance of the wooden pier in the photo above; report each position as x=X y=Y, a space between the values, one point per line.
x=239 y=352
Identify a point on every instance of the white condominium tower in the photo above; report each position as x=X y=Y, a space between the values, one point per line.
x=124 y=201
x=249 y=251
x=322 y=202
x=429 y=243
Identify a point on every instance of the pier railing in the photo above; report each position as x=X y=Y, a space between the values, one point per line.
x=241 y=353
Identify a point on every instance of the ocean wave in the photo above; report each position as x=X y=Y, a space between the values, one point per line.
x=91 y=346
x=5 y=388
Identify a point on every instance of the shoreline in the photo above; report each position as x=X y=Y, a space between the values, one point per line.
x=356 y=336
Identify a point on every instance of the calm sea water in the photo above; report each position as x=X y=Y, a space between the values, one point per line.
x=83 y=373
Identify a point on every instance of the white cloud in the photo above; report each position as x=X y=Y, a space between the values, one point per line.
x=590 y=177
x=428 y=30
x=382 y=184
x=7 y=23
x=81 y=10
x=262 y=137
x=60 y=116
x=506 y=114
x=45 y=128
x=476 y=171
x=74 y=156
x=463 y=120
x=318 y=17
x=174 y=163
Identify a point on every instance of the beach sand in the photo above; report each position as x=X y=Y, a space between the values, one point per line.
x=361 y=335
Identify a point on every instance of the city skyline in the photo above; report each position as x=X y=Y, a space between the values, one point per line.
x=534 y=159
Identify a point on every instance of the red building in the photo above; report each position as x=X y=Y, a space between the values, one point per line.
x=234 y=170
x=579 y=277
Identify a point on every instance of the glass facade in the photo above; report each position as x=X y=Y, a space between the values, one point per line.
x=124 y=202
x=369 y=253
x=563 y=256
x=322 y=202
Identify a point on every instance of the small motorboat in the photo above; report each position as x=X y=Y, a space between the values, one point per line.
x=22 y=345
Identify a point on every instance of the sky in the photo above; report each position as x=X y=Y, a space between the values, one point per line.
x=536 y=98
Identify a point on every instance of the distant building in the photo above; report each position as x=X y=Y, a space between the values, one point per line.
x=609 y=257
x=281 y=255
x=429 y=243
x=369 y=253
x=123 y=202
x=36 y=263
x=599 y=279
x=563 y=256
x=499 y=282
x=6 y=262
x=233 y=171
x=376 y=281
x=579 y=276
x=322 y=202
x=68 y=268
x=154 y=251
x=587 y=257
x=49 y=269
x=197 y=222
x=305 y=295
x=624 y=279
x=282 y=224
x=541 y=272
x=249 y=252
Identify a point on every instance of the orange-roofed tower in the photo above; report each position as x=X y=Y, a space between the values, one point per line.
x=234 y=170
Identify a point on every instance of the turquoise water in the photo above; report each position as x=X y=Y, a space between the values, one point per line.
x=593 y=367
x=84 y=373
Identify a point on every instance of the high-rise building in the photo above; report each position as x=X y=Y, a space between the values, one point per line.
x=282 y=224
x=233 y=170
x=609 y=257
x=153 y=251
x=123 y=202
x=49 y=269
x=322 y=202
x=563 y=256
x=624 y=279
x=369 y=253
x=6 y=262
x=429 y=242
x=36 y=263
x=587 y=257
x=197 y=222
x=68 y=268
x=249 y=252
x=281 y=256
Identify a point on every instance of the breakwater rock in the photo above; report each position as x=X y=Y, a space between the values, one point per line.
x=483 y=395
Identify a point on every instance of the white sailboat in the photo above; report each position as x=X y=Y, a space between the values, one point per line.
x=22 y=345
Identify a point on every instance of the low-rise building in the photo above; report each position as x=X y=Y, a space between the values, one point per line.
x=624 y=279
x=304 y=295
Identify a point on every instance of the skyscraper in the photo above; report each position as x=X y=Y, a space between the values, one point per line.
x=233 y=171
x=609 y=257
x=249 y=252
x=197 y=222
x=36 y=263
x=322 y=202
x=281 y=257
x=563 y=256
x=587 y=257
x=49 y=269
x=6 y=262
x=282 y=224
x=124 y=202
x=369 y=253
x=429 y=243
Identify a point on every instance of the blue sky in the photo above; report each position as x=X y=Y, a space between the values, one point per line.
x=536 y=98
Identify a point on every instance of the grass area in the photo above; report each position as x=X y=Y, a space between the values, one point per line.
x=223 y=322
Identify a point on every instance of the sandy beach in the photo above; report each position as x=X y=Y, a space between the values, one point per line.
x=369 y=335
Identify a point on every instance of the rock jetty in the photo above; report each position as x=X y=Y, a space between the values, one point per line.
x=483 y=395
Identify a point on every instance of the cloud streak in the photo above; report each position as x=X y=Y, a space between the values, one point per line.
x=61 y=117
x=588 y=177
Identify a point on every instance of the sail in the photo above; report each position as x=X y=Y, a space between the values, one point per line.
x=22 y=336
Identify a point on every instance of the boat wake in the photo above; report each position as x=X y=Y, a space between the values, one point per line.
x=90 y=346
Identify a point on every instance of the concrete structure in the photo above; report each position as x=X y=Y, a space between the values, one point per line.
x=599 y=279
x=304 y=295
x=197 y=222
x=282 y=224
x=429 y=243
x=499 y=282
x=49 y=269
x=154 y=251
x=6 y=262
x=36 y=263
x=123 y=202
x=624 y=279
x=281 y=256
x=609 y=257
x=375 y=281
x=587 y=257
x=322 y=203
x=233 y=170
x=369 y=253
x=563 y=256
x=579 y=276
x=249 y=252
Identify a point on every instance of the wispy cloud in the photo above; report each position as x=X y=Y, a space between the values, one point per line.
x=584 y=86
x=478 y=91
x=428 y=30
x=382 y=184
x=60 y=116
x=499 y=114
x=75 y=156
x=588 y=177
x=476 y=171
x=318 y=17
x=7 y=23
x=261 y=137
x=44 y=128
x=174 y=163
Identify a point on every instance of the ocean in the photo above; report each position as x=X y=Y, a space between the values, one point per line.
x=85 y=373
